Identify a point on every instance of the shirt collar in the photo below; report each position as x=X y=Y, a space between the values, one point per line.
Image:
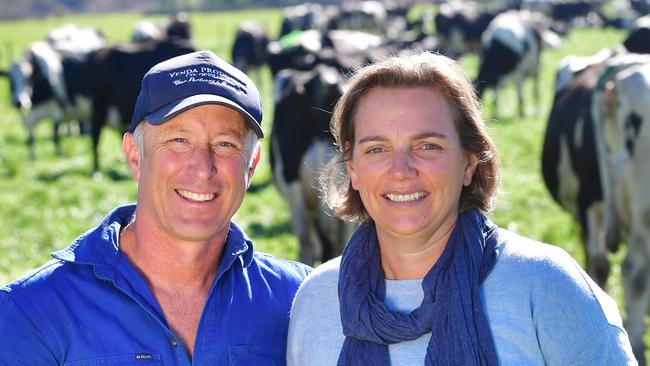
x=100 y=246
x=238 y=245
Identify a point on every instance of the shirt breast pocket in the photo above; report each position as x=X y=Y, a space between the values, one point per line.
x=134 y=359
x=253 y=355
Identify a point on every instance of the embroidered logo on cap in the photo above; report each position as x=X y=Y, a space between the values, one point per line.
x=206 y=74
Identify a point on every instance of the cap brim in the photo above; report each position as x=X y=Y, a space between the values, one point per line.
x=170 y=110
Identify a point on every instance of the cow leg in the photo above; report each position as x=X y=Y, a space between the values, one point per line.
x=29 y=120
x=536 y=87
x=330 y=230
x=56 y=137
x=302 y=225
x=99 y=116
x=30 y=142
x=596 y=251
x=495 y=102
x=95 y=134
x=636 y=284
x=519 y=84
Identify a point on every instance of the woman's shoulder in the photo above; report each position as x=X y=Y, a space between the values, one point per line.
x=513 y=246
x=317 y=303
x=516 y=252
x=546 y=271
x=321 y=283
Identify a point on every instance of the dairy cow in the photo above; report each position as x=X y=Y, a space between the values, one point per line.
x=459 y=27
x=621 y=112
x=117 y=72
x=638 y=40
x=249 y=48
x=511 y=51
x=569 y=157
x=300 y=146
x=307 y=16
x=177 y=26
x=51 y=80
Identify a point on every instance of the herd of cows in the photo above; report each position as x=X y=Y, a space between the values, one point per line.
x=595 y=145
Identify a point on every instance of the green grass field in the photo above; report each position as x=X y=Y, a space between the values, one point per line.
x=49 y=201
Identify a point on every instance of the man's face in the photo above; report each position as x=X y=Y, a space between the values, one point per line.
x=194 y=173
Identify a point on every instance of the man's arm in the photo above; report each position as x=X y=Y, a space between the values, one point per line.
x=22 y=342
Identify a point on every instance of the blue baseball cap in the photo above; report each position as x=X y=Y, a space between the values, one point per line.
x=187 y=81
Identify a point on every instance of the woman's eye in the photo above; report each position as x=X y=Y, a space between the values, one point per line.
x=374 y=150
x=179 y=140
x=429 y=146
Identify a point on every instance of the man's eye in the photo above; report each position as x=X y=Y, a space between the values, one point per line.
x=374 y=150
x=179 y=140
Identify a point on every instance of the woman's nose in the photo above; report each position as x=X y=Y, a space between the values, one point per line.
x=402 y=164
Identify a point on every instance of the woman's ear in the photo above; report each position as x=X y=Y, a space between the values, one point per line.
x=470 y=168
x=132 y=154
x=347 y=155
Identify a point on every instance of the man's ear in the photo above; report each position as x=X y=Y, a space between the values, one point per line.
x=132 y=154
x=256 y=159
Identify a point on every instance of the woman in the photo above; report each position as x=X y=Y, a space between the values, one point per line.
x=427 y=279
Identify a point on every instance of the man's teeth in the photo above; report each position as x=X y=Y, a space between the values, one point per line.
x=405 y=197
x=196 y=196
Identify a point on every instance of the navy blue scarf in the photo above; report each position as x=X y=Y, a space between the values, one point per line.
x=451 y=309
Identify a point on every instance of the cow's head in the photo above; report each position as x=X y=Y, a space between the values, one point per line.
x=21 y=80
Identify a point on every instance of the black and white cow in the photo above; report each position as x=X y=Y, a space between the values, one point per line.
x=177 y=26
x=76 y=39
x=301 y=145
x=308 y=16
x=52 y=81
x=638 y=40
x=569 y=163
x=511 y=50
x=621 y=112
x=366 y=15
x=459 y=27
x=249 y=47
x=116 y=77
x=567 y=14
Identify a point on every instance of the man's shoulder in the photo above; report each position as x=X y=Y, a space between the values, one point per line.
x=284 y=268
x=35 y=285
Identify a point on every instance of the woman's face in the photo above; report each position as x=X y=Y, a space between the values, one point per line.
x=407 y=162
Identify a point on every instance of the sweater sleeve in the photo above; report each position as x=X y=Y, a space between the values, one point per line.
x=577 y=322
x=610 y=346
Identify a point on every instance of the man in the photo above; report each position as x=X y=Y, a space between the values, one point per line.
x=170 y=280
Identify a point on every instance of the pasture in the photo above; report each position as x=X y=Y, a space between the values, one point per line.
x=47 y=202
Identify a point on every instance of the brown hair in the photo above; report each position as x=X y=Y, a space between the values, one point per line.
x=418 y=70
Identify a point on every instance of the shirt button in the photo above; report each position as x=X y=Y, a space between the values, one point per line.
x=173 y=342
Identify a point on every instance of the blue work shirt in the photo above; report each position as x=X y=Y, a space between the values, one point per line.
x=90 y=306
